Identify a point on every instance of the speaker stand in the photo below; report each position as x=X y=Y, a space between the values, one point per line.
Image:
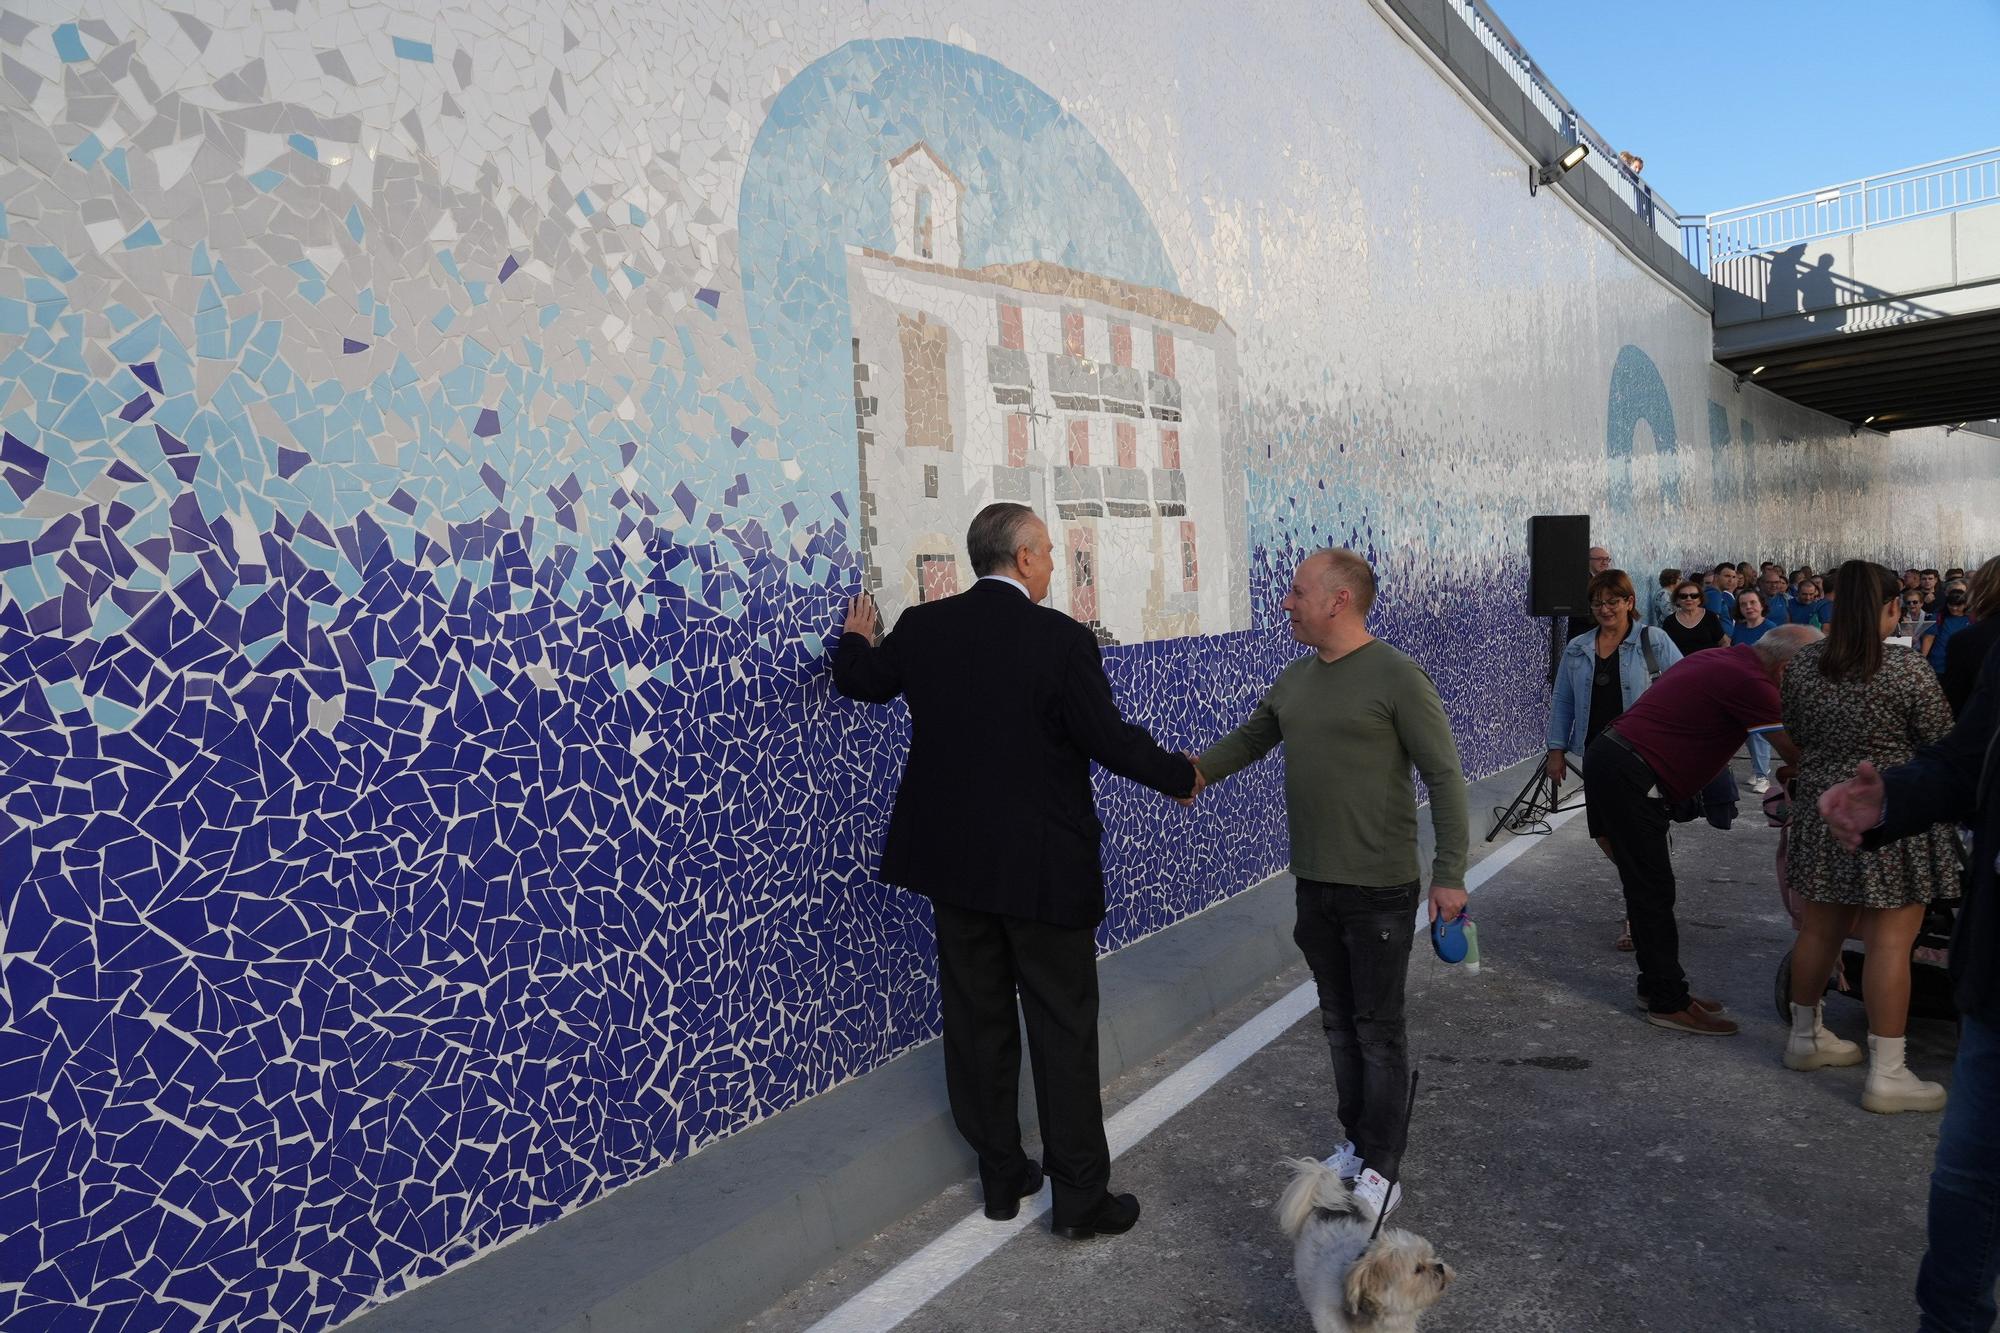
x=1538 y=798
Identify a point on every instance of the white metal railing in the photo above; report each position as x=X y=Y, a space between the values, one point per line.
x=1873 y=201
x=1552 y=106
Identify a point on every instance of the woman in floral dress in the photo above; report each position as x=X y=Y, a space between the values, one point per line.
x=1848 y=698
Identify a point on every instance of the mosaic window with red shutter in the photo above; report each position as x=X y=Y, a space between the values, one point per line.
x=1010 y=327
x=1079 y=442
x=1017 y=440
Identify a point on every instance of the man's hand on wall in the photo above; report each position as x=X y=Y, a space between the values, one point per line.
x=862 y=617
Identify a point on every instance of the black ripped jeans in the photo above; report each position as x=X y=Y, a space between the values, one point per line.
x=1357 y=942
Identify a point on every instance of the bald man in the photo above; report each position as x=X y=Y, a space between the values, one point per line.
x=1354 y=715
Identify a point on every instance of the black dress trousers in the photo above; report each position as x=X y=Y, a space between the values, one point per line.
x=983 y=959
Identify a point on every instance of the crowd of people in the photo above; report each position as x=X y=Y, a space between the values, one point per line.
x=1843 y=678
x=1733 y=604
x=1843 y=687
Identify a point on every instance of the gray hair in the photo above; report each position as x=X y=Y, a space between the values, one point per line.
x=1783 y=643
x=997 y=532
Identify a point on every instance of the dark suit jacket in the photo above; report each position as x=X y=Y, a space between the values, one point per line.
x=1957 y=777
x=1008 y=706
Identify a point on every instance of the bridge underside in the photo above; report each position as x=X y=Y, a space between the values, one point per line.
x=1939 y=371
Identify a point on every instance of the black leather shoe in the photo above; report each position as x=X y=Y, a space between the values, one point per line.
x=1007 y=1207
x=1115 y=1216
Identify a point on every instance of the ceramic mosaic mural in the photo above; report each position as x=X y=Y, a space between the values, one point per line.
x=436 y=448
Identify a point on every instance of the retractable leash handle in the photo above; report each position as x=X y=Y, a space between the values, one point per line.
x=1448 y=938
x=1409 y=1111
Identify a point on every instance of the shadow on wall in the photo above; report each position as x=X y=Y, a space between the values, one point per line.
x=1785 y=284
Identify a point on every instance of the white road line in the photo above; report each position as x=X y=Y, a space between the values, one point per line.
x=1515 y=850
x=910 y=1285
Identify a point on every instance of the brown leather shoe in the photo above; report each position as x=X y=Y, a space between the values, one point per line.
x=1695 y=1019
x=1697 y=1001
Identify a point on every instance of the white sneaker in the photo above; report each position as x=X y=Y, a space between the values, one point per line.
x=1380 y=1196
x=1346 y=1163
x=1760 y=785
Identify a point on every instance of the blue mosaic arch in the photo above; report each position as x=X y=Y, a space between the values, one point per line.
x=1639 y=394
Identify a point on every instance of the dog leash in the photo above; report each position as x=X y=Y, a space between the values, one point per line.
x=1409 y=1111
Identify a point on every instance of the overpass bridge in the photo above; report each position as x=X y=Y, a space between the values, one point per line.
x=1876 y=301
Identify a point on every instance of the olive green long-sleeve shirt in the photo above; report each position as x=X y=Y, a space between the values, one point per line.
x=1352 y=728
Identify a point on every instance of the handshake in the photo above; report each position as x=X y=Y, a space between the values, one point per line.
x=1200 y=780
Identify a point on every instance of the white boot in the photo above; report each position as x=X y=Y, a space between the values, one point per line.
x=1812 y=1046
x=1891 y=1087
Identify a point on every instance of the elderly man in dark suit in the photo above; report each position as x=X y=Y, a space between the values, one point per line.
x=994 y=824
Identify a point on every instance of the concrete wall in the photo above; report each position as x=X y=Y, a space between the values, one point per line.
x=431 y=473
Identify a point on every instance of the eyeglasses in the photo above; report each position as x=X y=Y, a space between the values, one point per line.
x=1610 y=605
x=1687 y=596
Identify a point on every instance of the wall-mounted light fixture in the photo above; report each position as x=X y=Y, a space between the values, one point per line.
x=1568 y=162
x=1868 y=421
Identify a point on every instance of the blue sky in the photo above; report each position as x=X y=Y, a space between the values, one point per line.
x=1735 y=101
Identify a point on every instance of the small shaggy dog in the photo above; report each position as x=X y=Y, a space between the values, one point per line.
x=1349 y=1283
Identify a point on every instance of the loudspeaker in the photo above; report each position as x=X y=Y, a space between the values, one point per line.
x=1558 y=564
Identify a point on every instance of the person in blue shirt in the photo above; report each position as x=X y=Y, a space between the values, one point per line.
x=1952 y=617
x=1812 y=606
x=1778 y=603
x=1661 y=604
x=1752 y=625
x=1719 y=595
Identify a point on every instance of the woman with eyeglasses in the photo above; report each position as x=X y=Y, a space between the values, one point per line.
x=1692 y=626
x=1848 y=698
x=1913 y=623
x=1953 y=616
x=1601 y=673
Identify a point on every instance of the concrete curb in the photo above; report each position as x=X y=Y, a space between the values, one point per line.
x=717 y=1238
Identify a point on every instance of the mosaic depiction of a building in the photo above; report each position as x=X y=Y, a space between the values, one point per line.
x=1103 y=404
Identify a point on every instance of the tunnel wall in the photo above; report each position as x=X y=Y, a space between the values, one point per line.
x=437 y=451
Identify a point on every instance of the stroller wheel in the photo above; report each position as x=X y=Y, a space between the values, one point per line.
x=1782 y=992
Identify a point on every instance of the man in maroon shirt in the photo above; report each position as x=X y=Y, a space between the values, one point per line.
x=1666 y=747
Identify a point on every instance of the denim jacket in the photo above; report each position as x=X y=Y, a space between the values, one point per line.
x=1569 y=717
